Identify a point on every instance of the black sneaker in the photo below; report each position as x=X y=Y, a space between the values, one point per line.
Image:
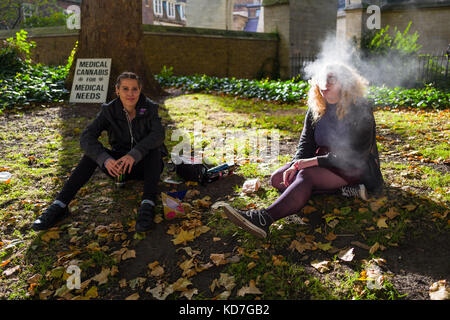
x=358 y=191
x=256 y=222
x=50 y=217
x=146 y=214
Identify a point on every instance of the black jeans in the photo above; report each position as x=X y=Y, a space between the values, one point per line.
x=148 y=169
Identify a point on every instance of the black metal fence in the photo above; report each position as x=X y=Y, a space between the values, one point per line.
x=429 y=68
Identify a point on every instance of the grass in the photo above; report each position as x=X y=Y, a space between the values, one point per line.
x=40 y=148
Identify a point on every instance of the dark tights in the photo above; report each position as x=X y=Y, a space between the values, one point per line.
x=294 y=197
x=148 y=169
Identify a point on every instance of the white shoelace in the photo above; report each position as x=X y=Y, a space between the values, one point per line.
x=350 y=192
x=262 y=220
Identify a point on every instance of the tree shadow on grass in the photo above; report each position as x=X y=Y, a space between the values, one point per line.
x=414 y=243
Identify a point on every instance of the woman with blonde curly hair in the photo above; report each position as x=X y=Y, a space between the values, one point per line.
x=337 y=148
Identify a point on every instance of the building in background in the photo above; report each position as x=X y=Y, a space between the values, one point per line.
x=246 y=14
x=164 y=12
x=302 y=26
x=212 y=14
x=430 y=18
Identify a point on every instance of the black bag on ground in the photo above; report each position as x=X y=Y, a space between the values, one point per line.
x=192 y=172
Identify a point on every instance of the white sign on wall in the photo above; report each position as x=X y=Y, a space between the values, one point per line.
x=90 y=81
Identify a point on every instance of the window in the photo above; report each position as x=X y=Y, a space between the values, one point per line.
x=180 y=9
x=146 y=3
x=170 y=9
x=157 y=7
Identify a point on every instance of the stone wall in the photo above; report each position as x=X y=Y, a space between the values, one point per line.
x=432 y=23
x=188 y=50
x=276 y=19
x=311 y=22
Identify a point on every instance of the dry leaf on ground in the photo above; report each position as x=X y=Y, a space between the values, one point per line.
x=439 y=291
x=251 y=289
x=322 y=266
x=346 y=255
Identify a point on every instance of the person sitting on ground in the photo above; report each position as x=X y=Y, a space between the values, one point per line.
x=136 y=136
x=337 y=148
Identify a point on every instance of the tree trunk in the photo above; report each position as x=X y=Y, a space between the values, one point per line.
x=113 y=29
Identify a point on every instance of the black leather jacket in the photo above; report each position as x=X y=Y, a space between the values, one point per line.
x=136 y=138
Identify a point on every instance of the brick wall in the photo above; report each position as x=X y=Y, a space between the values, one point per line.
x=188 y=50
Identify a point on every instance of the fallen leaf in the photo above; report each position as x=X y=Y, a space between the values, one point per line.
x=308 y=209
x=218 y=258
x=44 y=294
x=360 y=245
x=181 y=284
x=381 y=222
x=300 y=247
x=183 y=237
x=278 y=261
x=409 y=207
x=392 y=213
x=189 y=293
x=323 y=246
x=50 y=235
x=251 y=289
x=129 y=254
x=102 y=277
x=251 y=265
x=92 y=293
x=439 y=291
x=226 y=281
x=331 y=236
x=161 y=291
x=134 y=296
x=10 y=271
x=374 y=248
x=322 y=266
x=156 y=269
x=346 y=255
x=377 y=204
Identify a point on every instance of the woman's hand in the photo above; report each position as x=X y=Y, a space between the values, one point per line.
x=125 y=164
x=289 y=174
x=111 y=166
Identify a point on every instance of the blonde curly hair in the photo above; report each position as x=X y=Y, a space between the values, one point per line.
x=353 y=88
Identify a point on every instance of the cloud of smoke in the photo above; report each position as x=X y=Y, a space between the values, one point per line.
x=391 y=69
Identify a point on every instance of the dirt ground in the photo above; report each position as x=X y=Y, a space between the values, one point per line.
x=413 y=266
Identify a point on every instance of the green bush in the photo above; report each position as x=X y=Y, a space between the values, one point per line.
x=285 y=91
x=295 y=91
x=22 y=81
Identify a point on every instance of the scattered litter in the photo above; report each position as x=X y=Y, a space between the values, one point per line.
x=173 y=207
x=5 y=177
x=251 y=186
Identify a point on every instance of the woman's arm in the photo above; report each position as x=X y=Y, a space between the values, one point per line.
x=307 y=145
x=89 y=139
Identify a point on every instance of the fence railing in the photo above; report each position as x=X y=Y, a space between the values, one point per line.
x=429 y=68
